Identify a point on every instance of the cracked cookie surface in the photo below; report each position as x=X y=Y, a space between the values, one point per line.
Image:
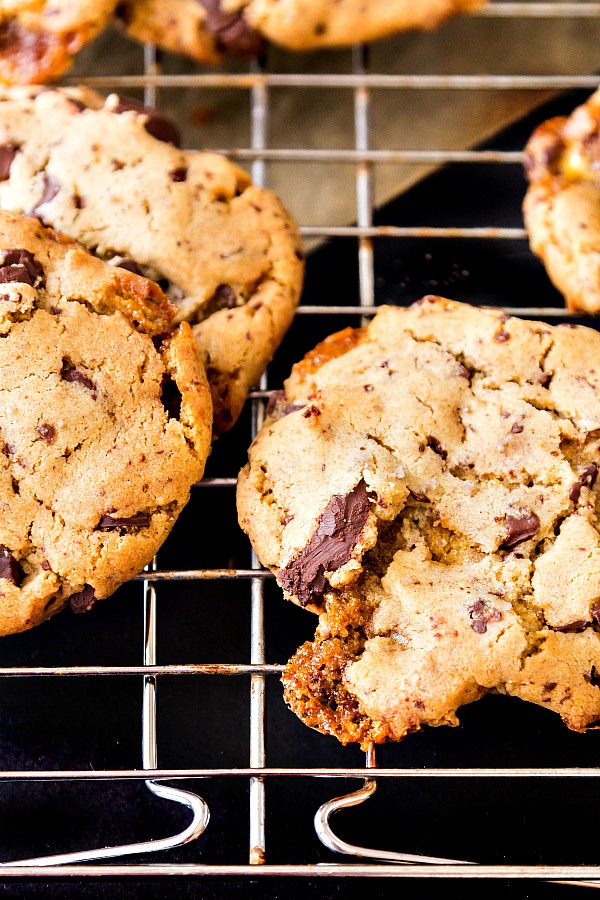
x=105 y=423
x=561 y=207
x=428 y=486
x=206 y=29
x=107 y=173
x=39 y=38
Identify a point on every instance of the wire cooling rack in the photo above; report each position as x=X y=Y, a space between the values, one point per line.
x=258 y=82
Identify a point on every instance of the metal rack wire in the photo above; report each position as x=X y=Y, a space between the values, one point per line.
x=375 y=863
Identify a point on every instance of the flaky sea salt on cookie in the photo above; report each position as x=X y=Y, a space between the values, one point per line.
x=105 y=423
x=427 y=485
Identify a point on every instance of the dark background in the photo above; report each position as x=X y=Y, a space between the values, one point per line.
x=85 y=723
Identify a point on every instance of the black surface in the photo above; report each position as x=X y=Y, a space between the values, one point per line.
x=203 y=721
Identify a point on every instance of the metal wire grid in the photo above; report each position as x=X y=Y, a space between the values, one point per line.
x=258 y=81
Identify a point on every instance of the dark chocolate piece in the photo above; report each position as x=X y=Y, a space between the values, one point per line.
x=481 y=614
x=82 y=601
x=339 y=528
x=46 y=432
x=179 y=174
x=224 y=297
x=158 y=126
x=278 y=407
x=277 y=401
x=586 y=479
x=517 y=428
x=74 y=375
x=108 y=523
x=125 y=263
x=520 y=527
x=20 y=266
x=437 y=447
x=232 y=32
x=579 y=625
x=9 y=568
x=419 y=495
x=7 y=155
x=51 y=189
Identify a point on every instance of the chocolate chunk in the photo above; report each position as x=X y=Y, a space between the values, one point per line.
x=276 y=400
x=51 y=189
x=594 y=677
x=586 y=479
x=419 y=495
x=517 y=428
x=123 y=262
x=278 y=407
x=549 y=686
x=437 y=447
x=171 y=397
x=578 y=625
x=231 y=30
x=45 y=565
x=108 y=523
x=520 y=527
x=46 y=432
x=7 y=155
x=9 y=568
x=575 y=491
x=502 y=336
x=178 y=174
x=82 y=601
x=158 y=126
x=72 y=374
x=596 y=613
x=339 y=528
x=224 y=297
x=20 y=266
x=481 y=614
x=464 y=372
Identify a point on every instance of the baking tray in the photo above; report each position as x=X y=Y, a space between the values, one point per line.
x=538 y=813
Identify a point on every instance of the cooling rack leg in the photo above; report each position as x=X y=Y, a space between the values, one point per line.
x=327 y=836
x=194 y=803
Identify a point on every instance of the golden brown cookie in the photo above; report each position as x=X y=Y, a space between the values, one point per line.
x=562 y=204
x=427 y=485
x=107 y=173
x=206 y=29
x=39 y=38
x=105 y=423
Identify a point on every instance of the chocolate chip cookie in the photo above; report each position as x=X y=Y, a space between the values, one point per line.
x=562 y=204
x=105 y=423
x=206 y=29
x=39 y=38
x=428 y=486
x=109 y=174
